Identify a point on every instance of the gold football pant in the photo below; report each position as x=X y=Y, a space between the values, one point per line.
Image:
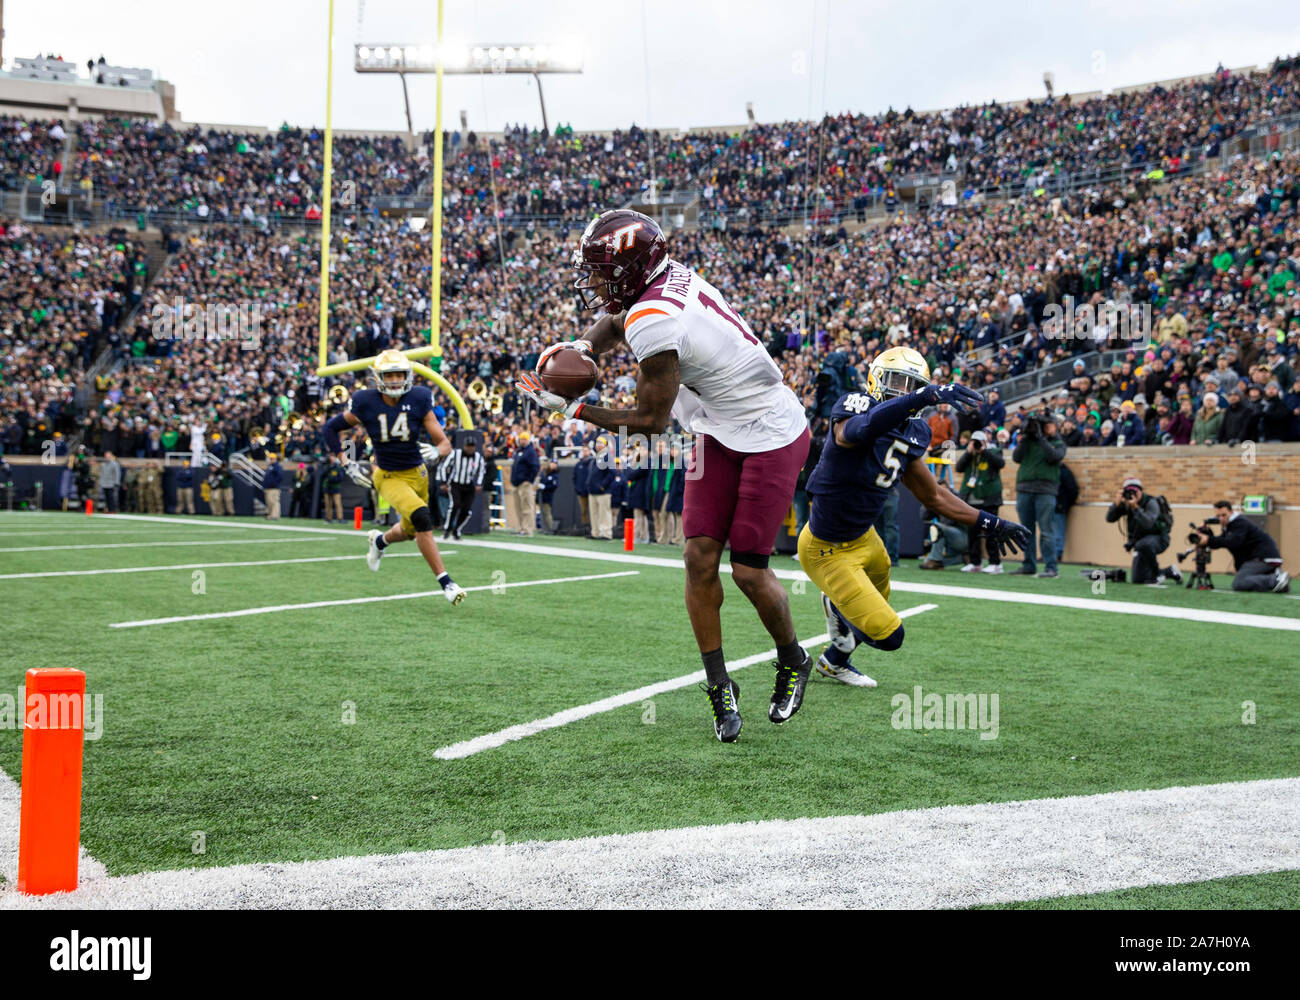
x=406 y=490
x=855 y=576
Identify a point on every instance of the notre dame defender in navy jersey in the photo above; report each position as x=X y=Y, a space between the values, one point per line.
x=393 y=425
x=392 y=415
x=876 y=440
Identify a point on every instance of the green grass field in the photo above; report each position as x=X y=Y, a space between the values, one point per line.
x=1272 y=891
x=237 y=726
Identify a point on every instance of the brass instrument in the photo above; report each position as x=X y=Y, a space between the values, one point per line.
x=338 y=395
x=478 y=390
x=495 y=402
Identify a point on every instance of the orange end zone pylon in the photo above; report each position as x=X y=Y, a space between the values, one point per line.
x=90 y=507
x=49 y=827
x=356 y=518
x=629 y=528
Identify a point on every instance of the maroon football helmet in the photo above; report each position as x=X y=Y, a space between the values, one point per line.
x=624 y=248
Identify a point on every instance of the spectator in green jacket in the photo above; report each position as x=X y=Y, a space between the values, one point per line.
x=1040 y=451
x=979 y=473
x=1205 y=429
x=1277 y=282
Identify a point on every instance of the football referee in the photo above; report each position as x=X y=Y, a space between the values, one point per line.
x=462 y=471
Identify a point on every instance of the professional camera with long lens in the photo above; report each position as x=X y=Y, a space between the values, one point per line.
x=1200 y=578
x=1194 y=536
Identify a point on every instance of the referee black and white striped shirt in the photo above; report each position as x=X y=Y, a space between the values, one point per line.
x=462 y=468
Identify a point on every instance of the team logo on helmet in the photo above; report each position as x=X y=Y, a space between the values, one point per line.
x=393 y=363
x=620 y=253
x=896 y=372
x=623 y=238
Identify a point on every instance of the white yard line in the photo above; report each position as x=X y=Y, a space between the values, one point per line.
x=155 y=569
x=208 y=521
x=1046 y=599
x=86 y=530
x=154 y=545
x=273 y=609
x=951 y=856
x=478 y=744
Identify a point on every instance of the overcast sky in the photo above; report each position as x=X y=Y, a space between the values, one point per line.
x=261 y=63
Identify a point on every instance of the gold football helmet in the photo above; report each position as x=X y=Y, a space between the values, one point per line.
x=393 y=373
x=896 y=372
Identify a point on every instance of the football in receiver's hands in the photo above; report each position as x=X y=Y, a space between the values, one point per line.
x=567 y=373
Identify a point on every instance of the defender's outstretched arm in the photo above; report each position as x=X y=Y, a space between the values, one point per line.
x=1009 y=536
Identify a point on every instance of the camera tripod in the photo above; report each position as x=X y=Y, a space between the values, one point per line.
x=1200 y=576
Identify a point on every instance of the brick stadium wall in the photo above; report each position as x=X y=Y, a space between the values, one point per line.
x=1192 y=479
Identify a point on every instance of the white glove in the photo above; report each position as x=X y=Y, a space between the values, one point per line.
x=357 y=474
x=429 y=453
x=531 y=386
x=583 y=347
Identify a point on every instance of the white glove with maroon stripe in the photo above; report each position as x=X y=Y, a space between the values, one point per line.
x=583 y=347
x=531 y=386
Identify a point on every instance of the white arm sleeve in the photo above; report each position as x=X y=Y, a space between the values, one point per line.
x=655 y=334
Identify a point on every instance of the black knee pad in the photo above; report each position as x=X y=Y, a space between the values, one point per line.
x=422 y=520
x=891 y=641
x=751 y=559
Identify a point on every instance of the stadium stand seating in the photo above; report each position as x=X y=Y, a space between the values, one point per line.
x=1128 y=200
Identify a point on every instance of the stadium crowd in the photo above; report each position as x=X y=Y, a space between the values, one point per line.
x=62 y=298
x=833 y=165
x=1212 y=256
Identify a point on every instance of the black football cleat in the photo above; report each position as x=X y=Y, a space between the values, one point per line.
x=725 y=701
x=787 y=692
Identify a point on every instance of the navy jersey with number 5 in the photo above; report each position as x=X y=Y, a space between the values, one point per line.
x=850 y=485
x=394 y=428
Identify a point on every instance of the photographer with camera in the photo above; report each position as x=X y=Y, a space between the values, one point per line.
x=1255 y=554
x=1040 y=451
x=947 y=541
x=1148 y=527
x=979 y=469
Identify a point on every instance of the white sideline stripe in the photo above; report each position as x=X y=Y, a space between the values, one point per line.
x=103 y=531
x=950 y=856
x=88 y=869
x=207 y=521
x=152 y=545
x=934 y=589
x=467 y=748
x=8 y=828
x=271 y=609
x=1216 y=617
x=154 y=569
